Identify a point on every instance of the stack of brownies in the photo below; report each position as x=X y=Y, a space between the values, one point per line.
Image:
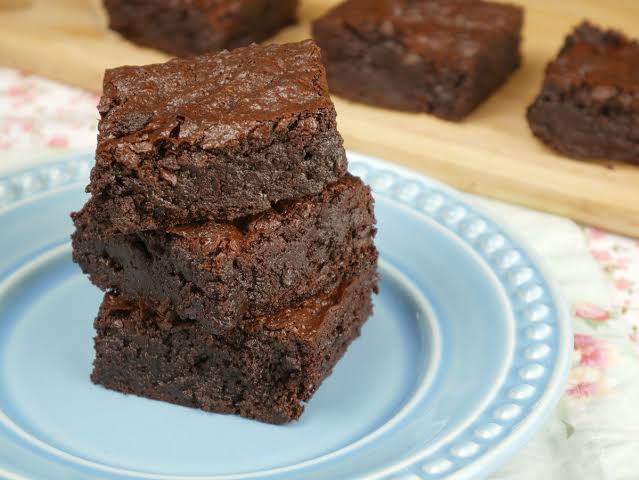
x=235 y=250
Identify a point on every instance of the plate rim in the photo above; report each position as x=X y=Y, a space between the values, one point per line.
x=26 y=185
x=523 y=432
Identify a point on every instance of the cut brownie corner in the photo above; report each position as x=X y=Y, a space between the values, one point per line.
x=266 y=370
x=588 y=105
x=589 y=32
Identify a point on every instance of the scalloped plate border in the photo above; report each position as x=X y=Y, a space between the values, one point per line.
x=540 y=314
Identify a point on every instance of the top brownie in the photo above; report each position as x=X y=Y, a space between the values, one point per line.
x=215 y=137
x=187 y=27
x=588 y=106
x=437 y=56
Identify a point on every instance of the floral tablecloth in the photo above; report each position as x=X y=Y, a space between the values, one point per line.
x=594 y=431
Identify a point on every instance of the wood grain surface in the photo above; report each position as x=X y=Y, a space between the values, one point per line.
x=491 y=153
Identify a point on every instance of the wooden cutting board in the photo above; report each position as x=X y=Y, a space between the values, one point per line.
x=491 y=153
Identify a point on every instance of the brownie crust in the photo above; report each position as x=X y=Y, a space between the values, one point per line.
x=442 y=57
x=220 y=274
x=264 y=371
x=588 y=107
x=182 y=27
x=215 y=137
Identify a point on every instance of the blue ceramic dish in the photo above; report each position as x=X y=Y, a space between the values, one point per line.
x=466 y=354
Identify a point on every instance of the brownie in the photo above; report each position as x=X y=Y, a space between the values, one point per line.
x=215 y=137
x=219 y=274
x=588 y=106
x=263 y=370
x=185 y=27
x=436 y=56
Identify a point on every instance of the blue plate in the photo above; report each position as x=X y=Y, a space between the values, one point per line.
x=466 y=353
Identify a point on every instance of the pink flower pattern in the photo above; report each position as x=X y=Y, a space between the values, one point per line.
x=16 y=91
x=623 y=284
x=58 y=141
x=592 y=352
x=621 y=265
x=590 y=362
x=601 y=255
x=589 y=311
x=585 y=389
x=36 y=113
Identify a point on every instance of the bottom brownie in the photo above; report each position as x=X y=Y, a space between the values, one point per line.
x=263 y=370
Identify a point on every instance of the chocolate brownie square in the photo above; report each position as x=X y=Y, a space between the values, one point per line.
x=437 y=56
x=263 y=370
x=222 y=273
x=215 y=137
x=588 y=106
x=185 y=27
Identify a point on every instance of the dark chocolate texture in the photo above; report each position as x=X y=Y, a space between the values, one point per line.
x=191 y=27
x=220 y=274
x=437 y=56
x=215 y=137
x=265 y=370
x=588 y=107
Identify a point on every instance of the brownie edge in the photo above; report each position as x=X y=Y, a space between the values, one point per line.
x=182 y=27
x=265 y=371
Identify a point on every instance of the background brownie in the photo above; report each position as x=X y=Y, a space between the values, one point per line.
x=264 y=370
x=588 y=106
x=438 y=56
x=221 y=273
x=184 y=27
x=215 y=137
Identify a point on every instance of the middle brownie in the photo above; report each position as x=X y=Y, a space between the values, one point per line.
x=220 y=273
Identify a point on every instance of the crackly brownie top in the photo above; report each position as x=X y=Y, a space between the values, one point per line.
x=443 y=30
x=215 y=98
x=603 y=59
